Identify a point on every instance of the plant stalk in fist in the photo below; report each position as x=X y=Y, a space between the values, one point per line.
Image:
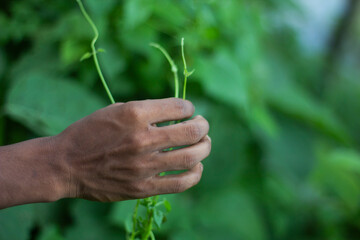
x=141 y=228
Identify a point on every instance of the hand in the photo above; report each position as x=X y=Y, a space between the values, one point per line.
x=118 y=152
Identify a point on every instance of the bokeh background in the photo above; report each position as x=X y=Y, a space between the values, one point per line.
x=278 y=81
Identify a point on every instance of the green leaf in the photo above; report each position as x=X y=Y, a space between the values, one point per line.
x=100 y=50
x=136 y=12
x=190 y=73
x=230 y=214
x=297 y=103
x=16 y=222
x=90 y=222
x=129 y=224
x=121 y=212
x=71 y=50
x=50 y=233
x=48 y=105
x=338 y=172
x=2 y=63
x=86 y=56
x=158 y=217
x=222 y=79
x=167 y=205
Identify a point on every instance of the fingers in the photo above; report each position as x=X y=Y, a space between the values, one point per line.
x=177 y=183
x=163 y=110
x=181 y=134
x=183 y=159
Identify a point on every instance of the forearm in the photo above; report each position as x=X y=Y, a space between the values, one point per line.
x=114 y=154
x=30 y=172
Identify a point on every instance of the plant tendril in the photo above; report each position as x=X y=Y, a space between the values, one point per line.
x=174 y=68
x=94 y=50
x=186 y=73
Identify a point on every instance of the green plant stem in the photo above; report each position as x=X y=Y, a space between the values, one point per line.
x=94 y=51
x=186 y=73
x=134 y=218
x=174 y=68
x=148 y=233
x=148 y=230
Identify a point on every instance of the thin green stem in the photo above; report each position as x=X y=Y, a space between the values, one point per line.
x=134 y=218
x=186 y=74
x=174 y=68
x=148 y=233
x=152 y=236
x=94 y=51
x=148 y=230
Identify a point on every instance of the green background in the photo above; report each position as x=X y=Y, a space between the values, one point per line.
x=284 y=119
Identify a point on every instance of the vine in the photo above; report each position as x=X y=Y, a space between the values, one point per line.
x=144 y=227
x=94 y=50
x=141 y=228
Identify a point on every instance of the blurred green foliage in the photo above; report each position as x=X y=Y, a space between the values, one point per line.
x=285 y=162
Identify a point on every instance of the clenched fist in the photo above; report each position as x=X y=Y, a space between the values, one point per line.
x=114 y=154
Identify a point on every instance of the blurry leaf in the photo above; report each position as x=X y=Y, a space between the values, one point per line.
x=344 y=97
x=129 y=224
x=2 y=64
x=182 y=216
x=298 y=104
x=73 y=27
x=90 y=222
x=16 y=223
x=262 y=120
x=112 y=62
x=170 y=12
x=237 y=217
x=42 y=60
x=137 y=41
x=290 y=153
x=85 y=56
x=158 y=217
x=71 y=51
x=50 y=233
x=100 y=9
x=338 y=172
x=167 y=205
x=48 y=105
x=121 y=212
x=229 y=140
x=222 y=79
x=136 y=12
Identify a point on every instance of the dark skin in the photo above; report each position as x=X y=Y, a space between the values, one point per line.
x=111 y=155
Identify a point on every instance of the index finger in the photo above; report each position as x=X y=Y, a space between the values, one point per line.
x=168 y=109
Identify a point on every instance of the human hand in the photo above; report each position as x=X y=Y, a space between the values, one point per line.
x=117 y=152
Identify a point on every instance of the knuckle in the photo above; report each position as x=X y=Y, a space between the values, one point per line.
x=197 y=178
x=133 y=111
x=193 y=132
x=208 y=148
x=138 y=142
x=137 y=170
x=134 y=144
x=183 y=106
x=204 y=123
x=188 y=161
x=179 y=186
x=137 y=189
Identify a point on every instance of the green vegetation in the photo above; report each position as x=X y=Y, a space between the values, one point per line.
x=142 y=226
x=284 y=118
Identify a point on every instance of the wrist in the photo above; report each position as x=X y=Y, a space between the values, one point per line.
x=31 y=172
x=58 y=170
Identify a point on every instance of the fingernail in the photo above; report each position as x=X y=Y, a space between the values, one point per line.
x=208 y=137
x=201 y=166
